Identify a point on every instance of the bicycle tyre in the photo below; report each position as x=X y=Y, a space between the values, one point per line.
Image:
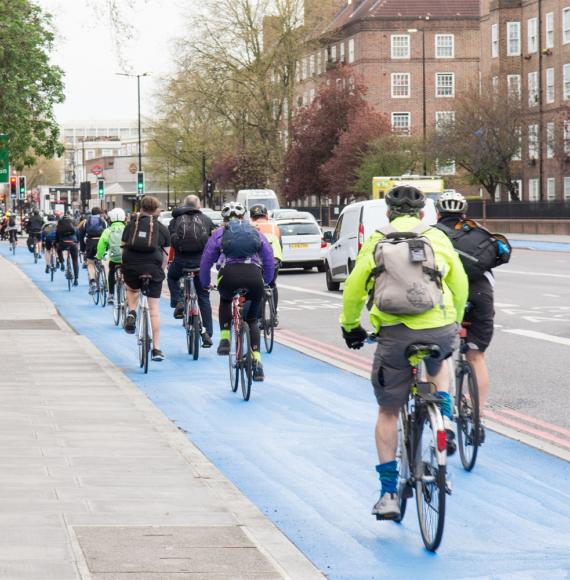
x=195 y=332
x=268 y=316
x=246 y=363
x=68 y=275
x=145 y=341
x=234 y=358
x=117 y=303
x=430 y=481
x=468 y=415
x=95 y=294
x=102 y=284
x=52 y=268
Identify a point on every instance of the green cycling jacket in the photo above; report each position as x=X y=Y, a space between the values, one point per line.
x=103 y=244
x=455 y=284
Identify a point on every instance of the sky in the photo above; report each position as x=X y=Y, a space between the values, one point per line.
x=86 y=52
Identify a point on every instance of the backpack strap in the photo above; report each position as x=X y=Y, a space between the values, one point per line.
x=387 y=229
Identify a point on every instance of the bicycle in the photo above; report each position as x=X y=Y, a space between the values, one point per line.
x=35 y=240
x=13 y=241
x=68 y=270
x=192 y=321
x=422 y=451
x=241 y=357
x=144 y=328
x=119 y=303
x=268 y=318
x=52 y=263
x=101 y=290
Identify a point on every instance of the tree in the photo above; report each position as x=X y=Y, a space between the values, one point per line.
x=30 y=84
x=43 y=172
x=484 y=138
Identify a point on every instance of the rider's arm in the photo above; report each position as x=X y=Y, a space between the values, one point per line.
x=267 y=260
x=209 y=258
x=456 y=279
x=103 y=244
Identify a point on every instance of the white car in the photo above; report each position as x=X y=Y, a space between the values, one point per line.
x=289 y=214
x=357 y=222
x=303 y=244
x=165 y=218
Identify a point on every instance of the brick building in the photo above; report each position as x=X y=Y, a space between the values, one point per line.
x=525 y=47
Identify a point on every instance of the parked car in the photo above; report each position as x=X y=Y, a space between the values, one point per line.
x=250 y=197
x=303 y=244
x=355 y=225
x=215 y=216
x=165 y=218
x=281 y=214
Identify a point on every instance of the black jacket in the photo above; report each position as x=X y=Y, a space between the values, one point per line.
x=35 y=224
x=208 y=223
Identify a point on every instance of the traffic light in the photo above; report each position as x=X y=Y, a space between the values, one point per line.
x=209 y=187
x=101 y=187
x=140 y=183
x=85 y=189
x=22 y=186
x=13 y=187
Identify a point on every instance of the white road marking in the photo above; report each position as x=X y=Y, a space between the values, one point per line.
x=540 y=336
x=308 y=291
x=503 y=305
x=540 y=274
x=552 y=295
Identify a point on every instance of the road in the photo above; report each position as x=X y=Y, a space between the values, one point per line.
x=302 y=450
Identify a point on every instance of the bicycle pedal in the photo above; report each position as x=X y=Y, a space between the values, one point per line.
x=388 y=517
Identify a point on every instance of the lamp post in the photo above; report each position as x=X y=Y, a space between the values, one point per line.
x=424 y=95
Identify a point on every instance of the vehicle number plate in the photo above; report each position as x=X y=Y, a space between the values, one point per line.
x=299 y=246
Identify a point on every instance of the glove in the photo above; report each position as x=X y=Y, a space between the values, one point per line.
x=355 y=338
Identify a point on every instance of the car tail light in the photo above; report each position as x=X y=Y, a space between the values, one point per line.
x=441 y=440
x=360 y=236
x=324 y=244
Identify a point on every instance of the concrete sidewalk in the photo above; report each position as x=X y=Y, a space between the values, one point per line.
x=96 y=483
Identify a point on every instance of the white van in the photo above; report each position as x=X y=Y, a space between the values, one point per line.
x=250 y=197
x=356 y=223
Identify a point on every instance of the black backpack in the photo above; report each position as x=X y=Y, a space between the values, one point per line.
x=143 y=236
x=190 y=233
x=240 y=240
x=94 y=226
x=477 y=247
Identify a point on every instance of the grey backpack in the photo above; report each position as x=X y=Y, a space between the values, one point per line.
x=406 y=277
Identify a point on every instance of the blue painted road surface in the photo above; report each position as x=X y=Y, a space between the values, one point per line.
x=302 y=451
x=542 y=246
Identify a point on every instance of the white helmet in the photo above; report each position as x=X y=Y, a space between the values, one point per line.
x=233 y=209
x=117 y=215
x=451 y=201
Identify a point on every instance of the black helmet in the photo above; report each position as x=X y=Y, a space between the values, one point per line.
x=405 y=199
x=257 y=211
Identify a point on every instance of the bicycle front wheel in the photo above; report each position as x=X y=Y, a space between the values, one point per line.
x=234 y=357
x=268 y=319
x=430 y=481
x=246 y=363
x=468 y=417
x=195 y=335
x=144 y=341
x=405 y=489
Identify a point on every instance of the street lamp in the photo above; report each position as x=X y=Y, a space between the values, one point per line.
x=424 y=112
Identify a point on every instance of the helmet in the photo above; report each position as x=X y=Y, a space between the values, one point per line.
x=117 y=215
x=258 y=210
x=451 y=201
x=233 y=209
x=8 y=214
x=405 y=199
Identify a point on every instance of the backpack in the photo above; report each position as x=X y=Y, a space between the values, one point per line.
x=65 y=229
x=240 y=240
x=115 y=250
x=477 y=247
x=12 y=222
x=144 y=234
x=94 y=226
x=190 y=233
x=406 y=277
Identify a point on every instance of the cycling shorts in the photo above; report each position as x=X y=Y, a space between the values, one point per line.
x=133 y=272
x=91 y=248
x=480 y=315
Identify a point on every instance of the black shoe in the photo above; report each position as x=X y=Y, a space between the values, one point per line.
x=76 y=282
x=62 y=266
x=131 y=322
x=47 y=269
x=224 y=347
x=179 y=311
x=157 y=355
x=206 y=340
x=275 y=321
x=481 y=435
x=110 y=300
x=258 y=374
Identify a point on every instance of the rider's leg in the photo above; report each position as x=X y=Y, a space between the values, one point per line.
x=205 y=306
x=132 y=298
x=173 y=278
x=477 y=360
x=111 y=277
x=75 y=260
x=154 y=308
x=90 y=269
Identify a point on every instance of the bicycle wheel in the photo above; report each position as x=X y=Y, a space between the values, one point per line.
x=234 y=358
x=117 y=302
x=102 y=285
x=144 y=341
x=246 y=363
x=68 y=275
x=195 y=335
x=95 y=294
x=405 y=490
x=52 y=267
x=268 y=318
x=468 y=417
x=430 y=482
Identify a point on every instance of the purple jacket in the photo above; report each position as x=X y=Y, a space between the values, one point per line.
x=213 y=253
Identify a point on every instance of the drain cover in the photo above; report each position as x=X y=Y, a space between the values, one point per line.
x=33 y=324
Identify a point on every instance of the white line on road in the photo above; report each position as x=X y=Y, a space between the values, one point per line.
x=540 y=336
x=307 y=291
x=503 y=305
x=540 y=274
x=552 y=295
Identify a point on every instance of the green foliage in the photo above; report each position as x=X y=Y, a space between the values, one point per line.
x=30 y=84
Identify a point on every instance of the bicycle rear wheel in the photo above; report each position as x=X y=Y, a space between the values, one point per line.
x=234 y=357
x=95 y=294
x=117 y=302
x=68 y=275
x=102 y=285
x=195 y=336
x=246 y=362
x=430 y=483
x=144 y=341
x=268 y=318
x=468 y=417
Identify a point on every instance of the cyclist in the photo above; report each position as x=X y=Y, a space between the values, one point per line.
x=67 y=238
x=145 y=249
x=189 y=230
x=48 y=237
x=11 y=228
x=259 y=217
x=391 y=372
x=91 y=232
x=246 y=261
x=34 y=229
x=110 y=241
x=480 y=312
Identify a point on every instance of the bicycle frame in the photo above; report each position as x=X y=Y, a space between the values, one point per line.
x=143 y=309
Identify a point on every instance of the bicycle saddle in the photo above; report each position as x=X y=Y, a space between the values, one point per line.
x=433 y=350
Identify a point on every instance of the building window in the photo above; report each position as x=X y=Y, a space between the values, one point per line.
x=495 y=84
x=532 y=89
x=444 y=46
x=311 y=95
x=444 y=119
x=533 y=190
x=532 y=40
x=514 y=86
x=549 y=24
x=445 y=85
x=513 y=38
x=551 y=188
x=312 y=65
x=400 y=85
x=497 y=195
x=519 y=188
x=341 y=50
x=566 y=137
x=89 y=154
x=445 y=168
x=565 y=25
x=550 y=143
x=401 y=123
x=333 y=53
x=351 y=51
x=517 y=155
x=494 y=40
x=566 y=188
x=550 y=85
x=533 y=141
x=566 y=82
x=400 y=46
x=318 y=63
x=306 y=67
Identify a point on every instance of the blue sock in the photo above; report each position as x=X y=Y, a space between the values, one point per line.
x=446 y=404
x=389 y=476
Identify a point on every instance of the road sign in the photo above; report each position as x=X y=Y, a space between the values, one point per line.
x=97 y=170
x=4 y=159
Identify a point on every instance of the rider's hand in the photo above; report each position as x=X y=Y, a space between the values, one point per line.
x=355 y=338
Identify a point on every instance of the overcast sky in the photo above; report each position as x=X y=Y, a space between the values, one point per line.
x=85 y=51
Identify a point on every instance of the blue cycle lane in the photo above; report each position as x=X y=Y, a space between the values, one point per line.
x=302 y=450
